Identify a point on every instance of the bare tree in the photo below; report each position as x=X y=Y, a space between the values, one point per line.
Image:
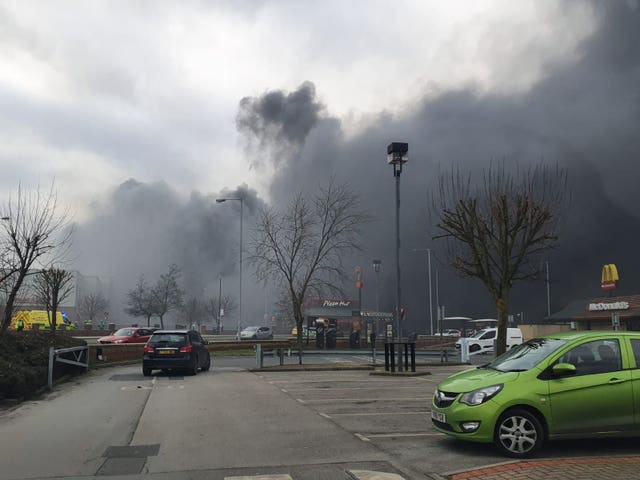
x=213 y=306
x=53 y=286
x=141 y=302
x=167 y=293
x=34 y=230
x=497 y=228
x=92 y=304
x=302 y=247
x=195 y=311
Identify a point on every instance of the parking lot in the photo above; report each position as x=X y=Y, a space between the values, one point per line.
x=390 y=412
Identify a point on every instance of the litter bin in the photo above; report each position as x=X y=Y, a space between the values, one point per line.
x=332 y=333
x=354 y=339
x=319 y=336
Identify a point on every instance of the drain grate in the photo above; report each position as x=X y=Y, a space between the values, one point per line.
x=122 y=466
x=126 y=459
x=132 y=451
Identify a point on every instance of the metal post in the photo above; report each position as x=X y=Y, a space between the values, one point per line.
x=241 y=271
x=392 y=356
x=50 y=373
x=377 y=291
x=386 y=356
x=220 y=308
x=548 y=294
x=430 y=301
x=413 y=357
x=259 y=359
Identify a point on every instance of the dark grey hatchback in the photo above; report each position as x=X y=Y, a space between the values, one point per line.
x=176 y=350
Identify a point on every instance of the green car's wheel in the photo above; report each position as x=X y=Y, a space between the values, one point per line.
x=519 y=433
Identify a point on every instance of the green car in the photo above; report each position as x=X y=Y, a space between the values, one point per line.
x=566 y=385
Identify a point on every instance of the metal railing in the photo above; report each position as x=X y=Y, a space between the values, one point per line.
x=77 y=354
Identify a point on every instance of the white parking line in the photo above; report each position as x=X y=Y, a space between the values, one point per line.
x=329 y=379
x=324 y=415
x=398 y=435
x=342 y=400
x=362 y=437
x=283 y=476
x=394 y=387
x=376 y=414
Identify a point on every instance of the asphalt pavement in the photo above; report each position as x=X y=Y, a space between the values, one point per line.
x=230 y=423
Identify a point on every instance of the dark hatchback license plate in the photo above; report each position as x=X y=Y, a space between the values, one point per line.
x=167 y=351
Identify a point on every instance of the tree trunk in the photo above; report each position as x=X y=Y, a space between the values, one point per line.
x=502 y=304
x=299 y=319
x=8 y=310
x=162 y=322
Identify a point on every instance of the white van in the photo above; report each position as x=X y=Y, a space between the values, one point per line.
x=483 y=339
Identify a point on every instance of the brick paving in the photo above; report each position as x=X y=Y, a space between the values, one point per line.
x=602 y=468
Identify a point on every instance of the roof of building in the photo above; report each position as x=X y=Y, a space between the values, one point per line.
x=599 y=308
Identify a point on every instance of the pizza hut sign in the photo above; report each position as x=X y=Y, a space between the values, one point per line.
x=336 y=303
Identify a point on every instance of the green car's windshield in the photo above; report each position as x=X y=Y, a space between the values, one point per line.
x=525 y=356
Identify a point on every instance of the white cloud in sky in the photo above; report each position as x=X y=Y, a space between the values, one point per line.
x=93 y=93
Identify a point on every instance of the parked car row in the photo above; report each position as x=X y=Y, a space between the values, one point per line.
x=128 y=335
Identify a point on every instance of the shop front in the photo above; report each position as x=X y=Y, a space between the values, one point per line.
x=346 y=317
x=604 y=313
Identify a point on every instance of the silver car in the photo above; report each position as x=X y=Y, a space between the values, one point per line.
x=256 y=333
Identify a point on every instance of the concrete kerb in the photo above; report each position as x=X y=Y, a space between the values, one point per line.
x=316 y=367
x=476 y=469
x=373 y=368
x=618 y=467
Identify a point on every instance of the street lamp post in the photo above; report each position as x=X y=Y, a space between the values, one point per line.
x=376 y=268
x=428 y=250
x=397 y=155
x=241 y=200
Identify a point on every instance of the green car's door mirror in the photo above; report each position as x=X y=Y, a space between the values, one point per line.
x=564 y=369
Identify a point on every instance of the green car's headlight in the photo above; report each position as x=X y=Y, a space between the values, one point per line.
x=481 y=395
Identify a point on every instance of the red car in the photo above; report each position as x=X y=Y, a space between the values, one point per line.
x=128 y=335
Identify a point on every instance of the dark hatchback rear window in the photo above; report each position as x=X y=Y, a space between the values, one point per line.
x=172 y=338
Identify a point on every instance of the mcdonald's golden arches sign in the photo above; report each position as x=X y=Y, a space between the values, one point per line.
x=609 y=277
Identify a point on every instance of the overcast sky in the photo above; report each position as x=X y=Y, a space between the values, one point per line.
x=94 y=93
x=144 y=111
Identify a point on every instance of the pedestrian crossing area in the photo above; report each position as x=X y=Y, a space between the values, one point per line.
x=353 y=474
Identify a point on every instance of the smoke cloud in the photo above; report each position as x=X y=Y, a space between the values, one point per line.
x=582 y=115
x=141 y=228
x=278 y=122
